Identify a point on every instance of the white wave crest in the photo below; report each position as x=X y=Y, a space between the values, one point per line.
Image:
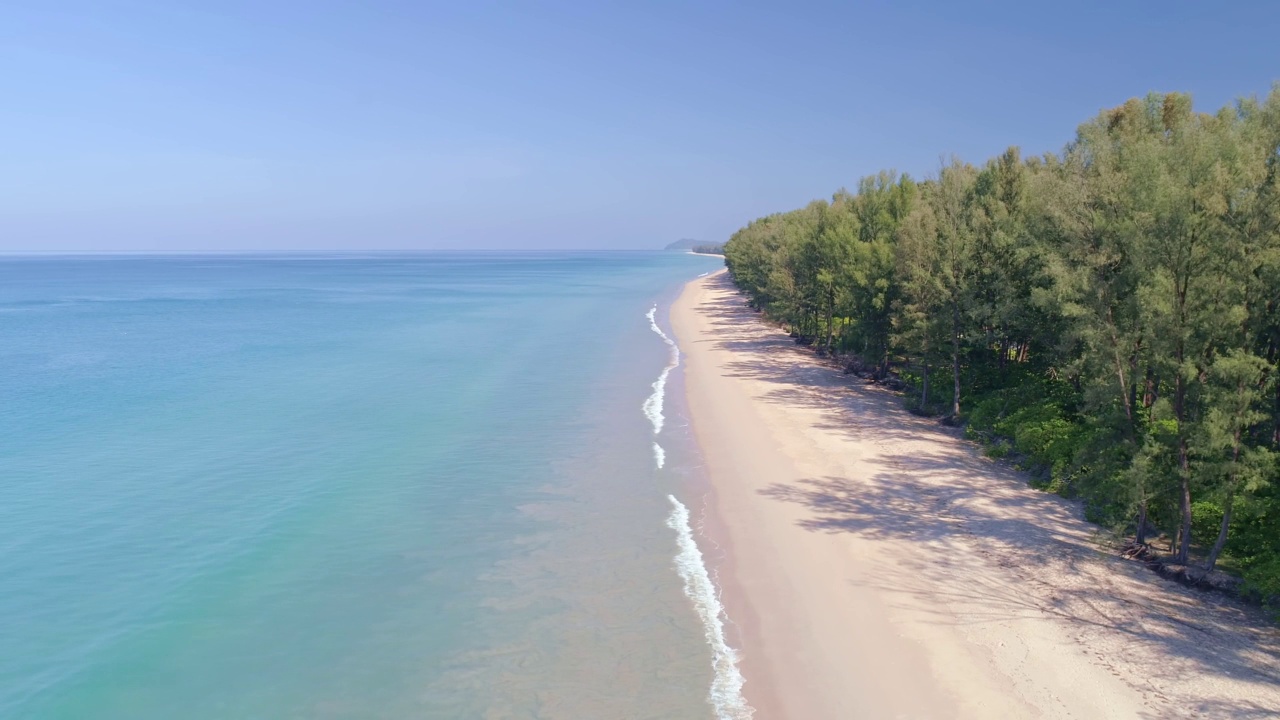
x=726 y=687
x=653 y=404
x=659 y=455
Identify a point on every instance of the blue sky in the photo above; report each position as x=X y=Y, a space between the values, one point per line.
x=386 y=125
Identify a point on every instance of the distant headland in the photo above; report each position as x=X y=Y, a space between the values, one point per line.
x=697 y=246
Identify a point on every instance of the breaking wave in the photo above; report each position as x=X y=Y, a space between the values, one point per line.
x=726 y=687
x=653 y=404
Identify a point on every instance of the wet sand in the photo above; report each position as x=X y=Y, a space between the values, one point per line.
x=875 y=565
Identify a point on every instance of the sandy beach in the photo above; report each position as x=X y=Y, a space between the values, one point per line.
x=875 y=565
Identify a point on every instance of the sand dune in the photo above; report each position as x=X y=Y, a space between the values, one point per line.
x=876 y=566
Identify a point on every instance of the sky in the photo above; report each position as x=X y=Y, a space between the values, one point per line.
x=315 y=125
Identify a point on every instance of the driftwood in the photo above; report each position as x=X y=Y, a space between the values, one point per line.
x=1189 y=575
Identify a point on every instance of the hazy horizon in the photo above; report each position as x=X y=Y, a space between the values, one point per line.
x=155 y=127
x=302 y=251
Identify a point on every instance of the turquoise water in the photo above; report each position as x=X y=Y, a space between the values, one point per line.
x=341 y=486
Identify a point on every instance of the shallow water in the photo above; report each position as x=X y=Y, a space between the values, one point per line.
x=341 y=486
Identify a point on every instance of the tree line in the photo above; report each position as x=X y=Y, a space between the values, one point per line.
x=1109 y=312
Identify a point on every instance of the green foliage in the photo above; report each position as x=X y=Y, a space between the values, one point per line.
x=1030 y=419
x=1107 y=316
x=1262 y=581
x=998 y=448
x=1206 y=515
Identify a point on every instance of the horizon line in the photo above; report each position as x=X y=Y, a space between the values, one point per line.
x=402 y=251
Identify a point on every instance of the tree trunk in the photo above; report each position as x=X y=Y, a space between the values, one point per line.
x=1140 y=535
x=1120 y=374
x=1132 y=402
x=831 y=328
x=1226 y=505
x=1275 y=436
x=1184 y=543
x=955 y=358
x=1155 y=395
x=1222 y=531
x=1184 y=459
x=924 y=392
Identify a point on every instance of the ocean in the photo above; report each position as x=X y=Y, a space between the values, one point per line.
x=437 y=485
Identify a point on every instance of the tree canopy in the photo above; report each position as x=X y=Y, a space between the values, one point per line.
x=1110 y=312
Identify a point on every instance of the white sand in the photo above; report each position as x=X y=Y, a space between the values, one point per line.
x=876 y=566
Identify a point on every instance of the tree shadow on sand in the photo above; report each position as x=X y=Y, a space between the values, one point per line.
x=1023 y=555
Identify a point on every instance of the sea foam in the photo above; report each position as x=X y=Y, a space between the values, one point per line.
x=653 y=404
x=726 y=687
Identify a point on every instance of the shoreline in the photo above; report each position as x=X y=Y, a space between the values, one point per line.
x=873 y=564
